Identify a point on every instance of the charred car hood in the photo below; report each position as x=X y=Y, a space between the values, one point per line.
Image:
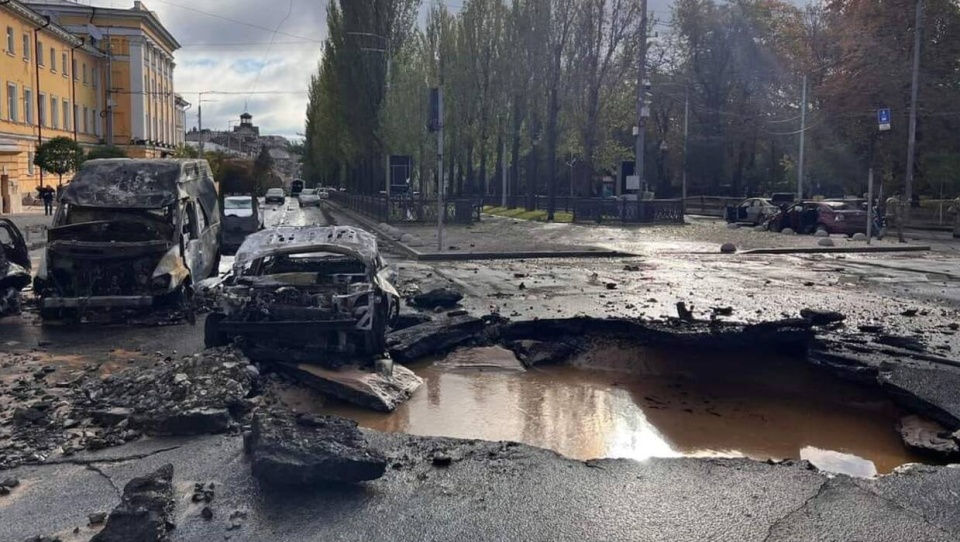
x=336 y=239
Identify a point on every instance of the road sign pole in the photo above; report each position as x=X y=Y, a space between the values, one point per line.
x=870 y=205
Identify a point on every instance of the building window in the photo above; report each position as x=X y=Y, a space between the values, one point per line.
x=66 y=115
x=39 y=53
x=74 y=69
x=42 y=109
x=53 y=60
x=28 y=105
x=86 y=120
x=76 y=117
x=55 y=112
x=30 y=164
x=96 y=77
x=96 y=122
x=11 y=43
x=85 y=80
x=26 y=47
x=12 y=109
x=63 y=62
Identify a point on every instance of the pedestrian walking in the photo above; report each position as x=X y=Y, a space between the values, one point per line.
x=955 y=209
x=46 y=194
x=893 y=214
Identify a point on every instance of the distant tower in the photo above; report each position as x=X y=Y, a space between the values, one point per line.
x=246 y=127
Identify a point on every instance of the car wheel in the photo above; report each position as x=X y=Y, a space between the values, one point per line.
x=212 y=336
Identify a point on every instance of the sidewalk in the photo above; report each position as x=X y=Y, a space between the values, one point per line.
x=33 y=224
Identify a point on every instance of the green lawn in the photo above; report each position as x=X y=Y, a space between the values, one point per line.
x=522 y=214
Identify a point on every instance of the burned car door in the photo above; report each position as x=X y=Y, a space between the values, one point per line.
x=191 y=227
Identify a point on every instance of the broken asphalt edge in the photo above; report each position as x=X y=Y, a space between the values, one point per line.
x=476 y=256
x=842 y=250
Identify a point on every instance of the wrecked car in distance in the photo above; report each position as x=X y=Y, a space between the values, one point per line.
x=14 y=267
x=130 y=234
x=321 y=292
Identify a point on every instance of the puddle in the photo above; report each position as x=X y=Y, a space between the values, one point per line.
x=671 y=404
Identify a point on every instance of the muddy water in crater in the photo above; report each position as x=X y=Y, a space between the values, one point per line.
x=669 y=404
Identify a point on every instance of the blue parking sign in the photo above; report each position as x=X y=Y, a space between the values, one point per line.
x=883 y=119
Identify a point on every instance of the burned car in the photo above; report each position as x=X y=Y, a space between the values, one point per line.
x=14 y=267
x=130 y=234
x=316 y=291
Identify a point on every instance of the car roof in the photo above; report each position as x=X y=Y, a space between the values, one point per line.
x=293 y=239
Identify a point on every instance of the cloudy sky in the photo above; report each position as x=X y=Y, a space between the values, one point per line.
x=262 y=52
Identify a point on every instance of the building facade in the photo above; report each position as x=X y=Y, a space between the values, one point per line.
x=50 y=86
x=141 y=113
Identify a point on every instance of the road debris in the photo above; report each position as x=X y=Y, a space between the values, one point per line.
x=303 y=450
x=929 y=438
x=357 y=385
x=438 y=297
x=145 y=512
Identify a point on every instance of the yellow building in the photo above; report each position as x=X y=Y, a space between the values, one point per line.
x=141 y=111
x=49 y=87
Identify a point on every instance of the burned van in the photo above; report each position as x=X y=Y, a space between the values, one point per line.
x=130 y=234
x=323 y=292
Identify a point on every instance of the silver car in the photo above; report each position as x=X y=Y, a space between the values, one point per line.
x=308 y=197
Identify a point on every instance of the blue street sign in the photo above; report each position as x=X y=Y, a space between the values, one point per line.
x=883 y=118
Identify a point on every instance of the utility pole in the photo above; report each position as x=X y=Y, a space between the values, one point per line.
x=440 y=204
x=503 y=174
x=686 y=137
x=200 y=121
x=914 y=94
x=109 y=89
x=642 y=111
x=803 y=134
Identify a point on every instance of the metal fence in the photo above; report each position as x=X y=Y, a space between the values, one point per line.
x=601 y=210
x=540 y=203
x=398 y=209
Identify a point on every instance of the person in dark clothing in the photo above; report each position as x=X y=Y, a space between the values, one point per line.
x=46 y=194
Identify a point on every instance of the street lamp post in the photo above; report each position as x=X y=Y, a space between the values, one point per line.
x=200 y=102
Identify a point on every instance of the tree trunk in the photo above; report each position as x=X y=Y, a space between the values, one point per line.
x=497 y=185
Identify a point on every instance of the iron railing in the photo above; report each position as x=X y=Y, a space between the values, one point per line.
x=400 y=208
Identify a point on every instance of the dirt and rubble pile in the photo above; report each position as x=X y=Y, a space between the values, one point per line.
x=196 y=394
x=303 y=450
x=145 y=512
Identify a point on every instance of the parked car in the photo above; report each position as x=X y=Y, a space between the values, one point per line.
x=296 y=291
x=309 y=196
x=809 y=216
x=14 y=267
x=296 y=186
x=130 y=234
x=241 y=217
x=755 y=211
x=275 y=195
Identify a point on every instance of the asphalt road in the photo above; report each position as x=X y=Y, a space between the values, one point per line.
x=494 y=491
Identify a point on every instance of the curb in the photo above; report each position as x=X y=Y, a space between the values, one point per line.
x=528 y=255
x=843 y=250
x=468 y=256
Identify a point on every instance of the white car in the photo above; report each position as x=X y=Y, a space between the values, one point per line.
x=324 y=193
x=309 y=196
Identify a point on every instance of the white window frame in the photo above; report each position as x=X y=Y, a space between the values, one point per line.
x=86 y=120
x=65 y=106
x=28 y=105
x=55 y=112
x=42 y=110
x=27 y=46
x=53 y=60
x=86 y=80
x=13 y=102
x=31 y=167
x=39 y=46
x=11 y=41
x=65 y=61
